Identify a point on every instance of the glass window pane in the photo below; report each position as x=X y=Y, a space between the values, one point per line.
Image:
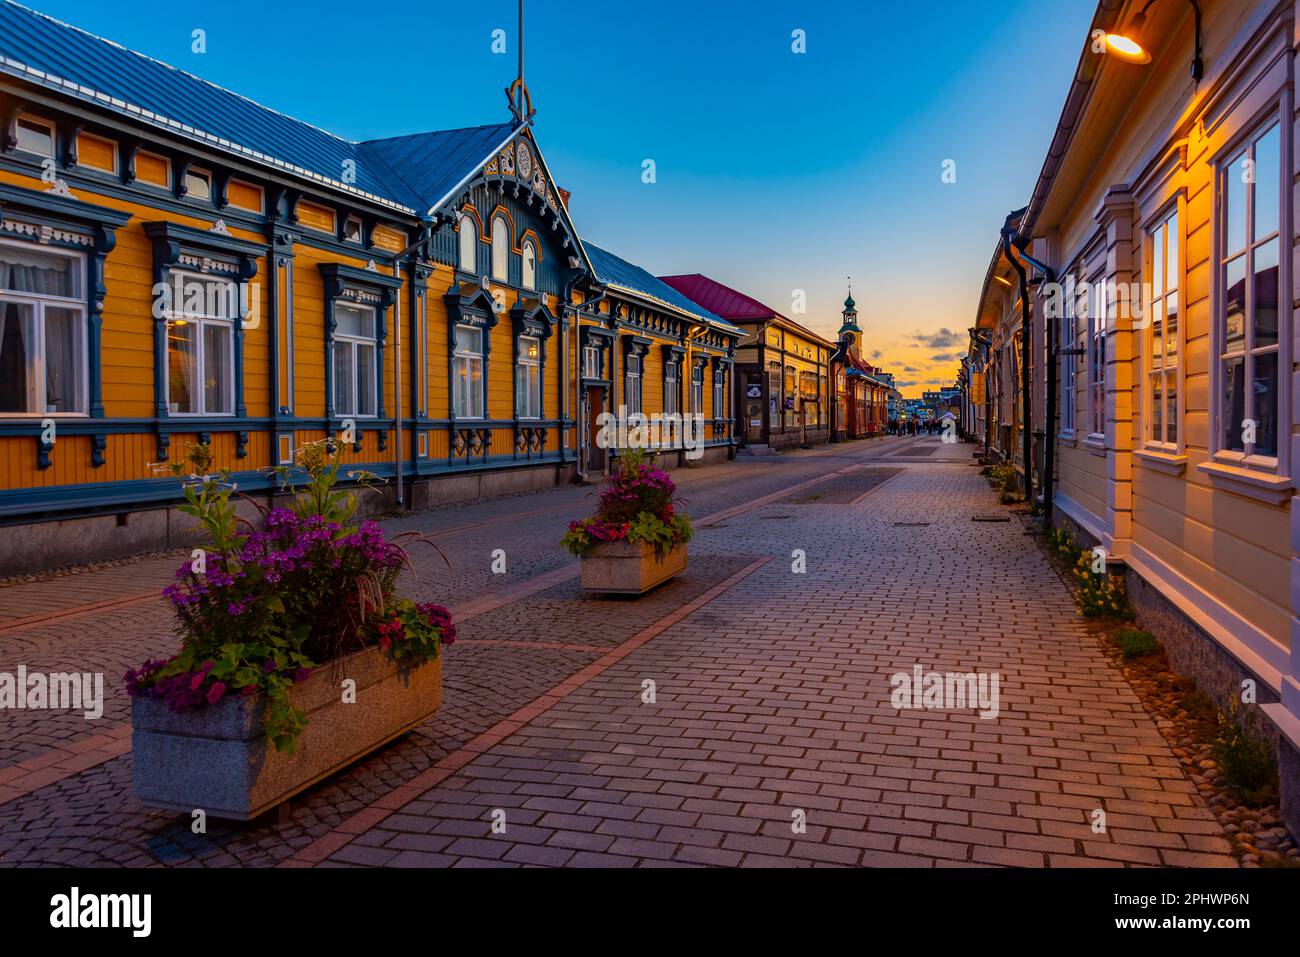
x=1157 y=338
x=1234 y=213
x=1264 y=398
x=500 y=249
x=365 y=359
x=17 y=357
x=1157 y=409
x=1265 y=292
x=468 y=239
x=344 y=397
x=1171 y=329
x=1172 y=277
x=35 y=137
x=530 y=266
x=217 y=372
x=65 y=360
x=476 y=387
x=1158 y=261
x=459 y=385
x=1234 y=402
x=182 y=366
x=1267 y=183
x=44 y=274
x=1234 y=305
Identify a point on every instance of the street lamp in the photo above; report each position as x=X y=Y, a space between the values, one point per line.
x=1127 y=44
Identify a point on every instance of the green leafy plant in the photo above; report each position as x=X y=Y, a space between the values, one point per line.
x=637 y=505
x=259 y=608
x=1245 y=760
x=1135 y=643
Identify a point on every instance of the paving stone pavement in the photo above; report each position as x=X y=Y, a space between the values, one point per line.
x=771 y=703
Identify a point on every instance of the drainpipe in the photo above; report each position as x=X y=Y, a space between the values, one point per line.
x=1026 y=343
x=399 y=432
x=1049 y=434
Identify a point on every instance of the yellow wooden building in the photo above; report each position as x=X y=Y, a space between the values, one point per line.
x=179 y=265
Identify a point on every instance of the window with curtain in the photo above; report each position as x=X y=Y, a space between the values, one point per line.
x=43 y=357
x=1249 y=349
x=1162 y=336
x=467 y=236
x=201 y=345
x=528 y=379
x=467 y=373
x=632 y=384
x=528 y=265
x=354 y=360
x=500 y=249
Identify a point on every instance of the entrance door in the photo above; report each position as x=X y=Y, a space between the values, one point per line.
x=752 y=403
x=596 y=456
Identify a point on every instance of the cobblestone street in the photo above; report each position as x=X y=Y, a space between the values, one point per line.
x=771 y=698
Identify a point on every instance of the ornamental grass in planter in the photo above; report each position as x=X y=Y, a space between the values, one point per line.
x=297 y=654
x=637 y=538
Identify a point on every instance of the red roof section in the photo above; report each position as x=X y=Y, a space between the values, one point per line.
x=719 y=299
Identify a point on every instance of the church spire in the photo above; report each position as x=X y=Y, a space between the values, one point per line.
x=850 y=324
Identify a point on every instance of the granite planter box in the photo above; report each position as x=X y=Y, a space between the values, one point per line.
x=629 y=568
x=218 y=759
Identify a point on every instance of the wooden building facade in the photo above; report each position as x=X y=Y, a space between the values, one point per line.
x=179 y=265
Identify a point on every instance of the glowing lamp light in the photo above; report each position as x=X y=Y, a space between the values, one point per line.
x=1124 y=47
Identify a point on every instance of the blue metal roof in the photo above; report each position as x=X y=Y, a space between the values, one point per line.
x=615 y=271
x=414 y=172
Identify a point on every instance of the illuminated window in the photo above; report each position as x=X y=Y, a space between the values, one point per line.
x=200 y=344
x=528 y=379
x=1162 y=338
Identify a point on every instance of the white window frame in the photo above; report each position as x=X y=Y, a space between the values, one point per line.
x=672 y=386
x=528 y=380
x=467 y=244
x=349 y=221
x=1167 y=374
x=591 y=360
x=1069 y=339
x=352 y=344
x=528 y=264
x=1229 y=166
x=632 y=367
x=697 y=388
x=720 y=398
x=1095 y=344
x=178 y=313
x=41 y=121
x=38 y=302
x=500 y=248
x=467 y=401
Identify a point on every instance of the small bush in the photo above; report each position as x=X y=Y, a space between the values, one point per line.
x=1136 y=643
x=1246 y=762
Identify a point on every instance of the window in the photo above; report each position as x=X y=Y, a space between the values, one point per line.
x=697 y=389
x=719 y=397
x=1248 y=310
x=500 y=249
x=632 y=384
x=529 y=265
x=1097 y=360
x=43 y=357
x=468 y=233
x=591 y=360
x=354 y=360
x=1162 y=339
x=200 y=345
x=789 y=395
x=467 y=373
x=528 y=379
x=1069 y=365
x=671 y=386
x=774 y=395
x=35 y=136
x=352 y=230
x=198 y=184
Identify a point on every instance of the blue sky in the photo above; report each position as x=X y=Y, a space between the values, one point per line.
x=775 y=171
